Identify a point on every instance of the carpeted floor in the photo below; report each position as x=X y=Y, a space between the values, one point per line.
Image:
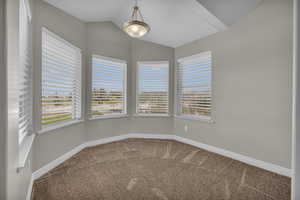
x=139 y=169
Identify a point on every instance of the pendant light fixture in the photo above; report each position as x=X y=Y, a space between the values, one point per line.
x=136 y=27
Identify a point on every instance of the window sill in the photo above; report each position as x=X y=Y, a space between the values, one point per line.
x=189 y=117
x=24 y=151
x=110 y=117
x=149 y=115
x=58 y=126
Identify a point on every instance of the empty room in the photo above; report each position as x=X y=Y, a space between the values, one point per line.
x=149 y=100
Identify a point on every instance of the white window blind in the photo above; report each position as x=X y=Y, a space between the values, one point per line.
x=153 y=88
x=25 y=71
x=194 y=85
x=108 y=87
x=61 y=80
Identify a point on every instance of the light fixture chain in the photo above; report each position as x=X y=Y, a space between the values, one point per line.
x=142 y=18
x=136 y=12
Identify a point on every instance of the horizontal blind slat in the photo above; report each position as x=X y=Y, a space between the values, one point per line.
x=108 y=87
x=194 y=85
x=25 y=73
x=153 y=86
x=61 y=80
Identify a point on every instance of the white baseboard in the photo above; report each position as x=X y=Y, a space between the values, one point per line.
x=245 y=159
x=105 y=140
x=151 y=136
x=128 y=136
x=235 y=156
x=40 y=172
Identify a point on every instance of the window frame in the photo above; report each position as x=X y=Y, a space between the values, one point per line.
x=125 y=65
x=25 y=145
x=137 y=88
x=178 y=114
x=51 y=127
x=24 y=4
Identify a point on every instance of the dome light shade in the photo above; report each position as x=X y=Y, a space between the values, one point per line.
x=136 y=27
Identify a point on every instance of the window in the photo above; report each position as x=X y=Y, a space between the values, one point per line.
x=61 y=80
x=153 y=88
x=25 y=72
x=194 y=86
x=108 y=87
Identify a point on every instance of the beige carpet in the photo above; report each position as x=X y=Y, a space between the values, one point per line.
x=138 y=169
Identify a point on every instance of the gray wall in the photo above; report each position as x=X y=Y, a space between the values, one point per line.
x=252 y=85
x=105 y=39
x=252 y=73
x=2 y=103
x=49 y=146
x=17 y=182
x=146 y=51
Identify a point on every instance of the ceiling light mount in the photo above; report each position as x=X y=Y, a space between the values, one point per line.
x=136 y=27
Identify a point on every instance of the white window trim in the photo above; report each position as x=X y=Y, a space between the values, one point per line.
x=113 y=116
x=60 y=125
x=152 y=115
x=197 y=118
x=24 y=150
x=177 y=113
x=51 y=127
x=26 y=143
x=57 y=36
x=110 y=59
x=137 y=89
x=110 y=117
x=195 y=56
x=28 y=10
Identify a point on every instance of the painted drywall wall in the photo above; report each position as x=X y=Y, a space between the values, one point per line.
x=17 y=181
x=49 y=146
x=243 y=57
x=252 y=85
x=2 y=103
x=146 y=51
x=106 y=39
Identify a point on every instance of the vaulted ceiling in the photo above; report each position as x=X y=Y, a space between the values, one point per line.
x=173 y=22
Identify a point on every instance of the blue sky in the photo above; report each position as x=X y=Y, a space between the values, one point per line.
x=107 y=76
x=153 y=79
x=196 y=74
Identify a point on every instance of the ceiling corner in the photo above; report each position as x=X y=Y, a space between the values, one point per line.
x=230 y=11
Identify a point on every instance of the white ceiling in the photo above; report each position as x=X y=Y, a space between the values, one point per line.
x=173 y=22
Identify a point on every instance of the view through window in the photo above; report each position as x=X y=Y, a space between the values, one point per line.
x=153 y=88
x=61 y=80
x=108 y=96
x=194 y=85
